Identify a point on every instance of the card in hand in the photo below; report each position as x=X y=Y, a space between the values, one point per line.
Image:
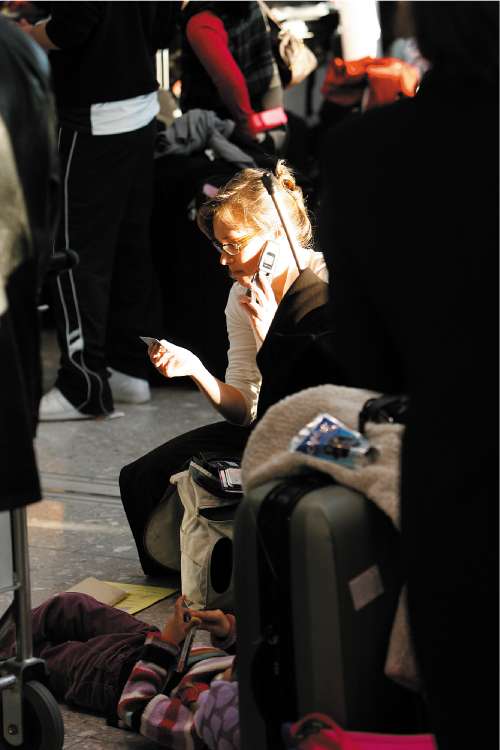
x=148 y=340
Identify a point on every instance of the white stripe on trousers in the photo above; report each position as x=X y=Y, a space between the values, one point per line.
x=70 y=334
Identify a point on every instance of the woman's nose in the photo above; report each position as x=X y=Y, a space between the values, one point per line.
x=225 y=260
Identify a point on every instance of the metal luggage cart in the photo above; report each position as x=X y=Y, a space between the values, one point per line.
x=29 y=714
x=30 y=717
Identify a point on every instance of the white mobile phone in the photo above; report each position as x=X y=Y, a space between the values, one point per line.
x=148 y=340
x=267 y=261
x=266 y=265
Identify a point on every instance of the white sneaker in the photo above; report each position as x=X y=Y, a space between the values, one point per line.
x=127 y=389
x=54 y=407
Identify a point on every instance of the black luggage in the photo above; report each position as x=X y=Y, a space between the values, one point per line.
x=317 y=579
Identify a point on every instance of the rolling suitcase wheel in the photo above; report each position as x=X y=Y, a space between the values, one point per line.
x=43 y=726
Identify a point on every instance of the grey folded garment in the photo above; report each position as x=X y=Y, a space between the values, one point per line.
x=197 y=131
x=267 y=457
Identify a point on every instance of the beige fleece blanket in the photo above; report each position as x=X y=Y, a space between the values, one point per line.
x=267 y=458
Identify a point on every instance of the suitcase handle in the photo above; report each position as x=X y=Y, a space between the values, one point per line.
x=387 y=408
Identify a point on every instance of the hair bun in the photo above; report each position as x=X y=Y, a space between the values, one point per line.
x=284 y=176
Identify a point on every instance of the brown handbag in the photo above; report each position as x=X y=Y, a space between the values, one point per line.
x=294 y=58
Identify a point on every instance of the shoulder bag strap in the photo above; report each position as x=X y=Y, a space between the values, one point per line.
x=268 y=14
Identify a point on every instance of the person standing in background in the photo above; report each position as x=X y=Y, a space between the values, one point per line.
x=410 y=234
x=228 y=66
x=28 y=215
x=103 y=69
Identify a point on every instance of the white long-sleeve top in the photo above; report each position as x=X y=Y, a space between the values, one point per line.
x=242 y=371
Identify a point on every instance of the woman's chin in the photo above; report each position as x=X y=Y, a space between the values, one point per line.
x=244 y=281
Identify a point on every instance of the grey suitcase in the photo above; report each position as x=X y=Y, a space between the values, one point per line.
x=317 y=580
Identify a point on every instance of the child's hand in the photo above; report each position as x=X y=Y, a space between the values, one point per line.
x=213 y=620
x=176 y=628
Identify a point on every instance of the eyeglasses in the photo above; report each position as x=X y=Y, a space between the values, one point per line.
x=230 y=248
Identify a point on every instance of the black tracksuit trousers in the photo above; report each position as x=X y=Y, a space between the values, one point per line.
x=102 y=305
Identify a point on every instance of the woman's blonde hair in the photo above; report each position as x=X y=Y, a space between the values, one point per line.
x=245 y=201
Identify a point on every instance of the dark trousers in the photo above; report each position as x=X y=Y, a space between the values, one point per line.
x=89 y=649
x=103 y=304
x=144 y=482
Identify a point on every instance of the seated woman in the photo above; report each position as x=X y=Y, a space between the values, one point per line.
x=107 y=661
x=243 y=225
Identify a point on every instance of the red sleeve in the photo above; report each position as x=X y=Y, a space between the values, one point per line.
x=208 y=38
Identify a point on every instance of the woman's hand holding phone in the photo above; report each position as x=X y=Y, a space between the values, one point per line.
x=173 y=361
x=261 y=306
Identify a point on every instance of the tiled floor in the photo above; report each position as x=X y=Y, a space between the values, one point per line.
x=80 y=528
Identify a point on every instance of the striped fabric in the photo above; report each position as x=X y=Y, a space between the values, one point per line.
x=169 y=719
x=169 y=723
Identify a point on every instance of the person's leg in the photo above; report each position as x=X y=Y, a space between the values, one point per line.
x=96 y=173
x=78 y=617
x=88 y=648
x=131 y=311
x=77 y=295
x=144 y=482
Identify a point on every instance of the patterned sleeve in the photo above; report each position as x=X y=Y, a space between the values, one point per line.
x=169 y=720
x=144 y=708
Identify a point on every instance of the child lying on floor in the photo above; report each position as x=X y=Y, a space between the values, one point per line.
x=107 y=661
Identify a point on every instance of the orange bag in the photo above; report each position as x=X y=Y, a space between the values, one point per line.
x=369 y=82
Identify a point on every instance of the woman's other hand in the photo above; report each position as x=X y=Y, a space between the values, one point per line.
x=174 y=361
x=176 y=628
x=261 y=306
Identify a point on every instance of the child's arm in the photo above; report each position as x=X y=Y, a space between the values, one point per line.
x=149 y=676
x=146 y=680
